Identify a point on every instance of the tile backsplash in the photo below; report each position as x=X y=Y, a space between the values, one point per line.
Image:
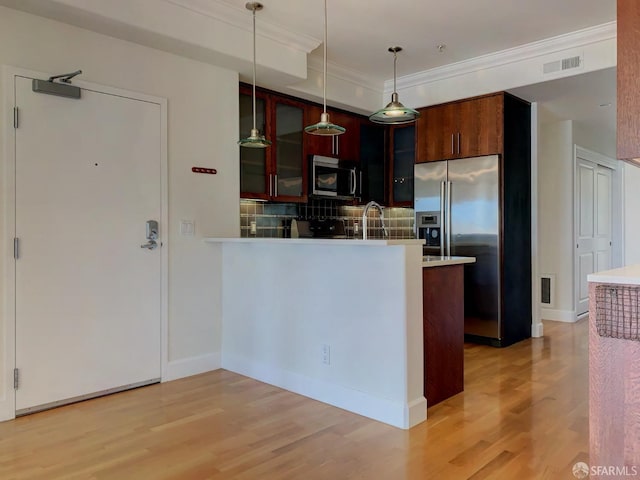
x=272 y=220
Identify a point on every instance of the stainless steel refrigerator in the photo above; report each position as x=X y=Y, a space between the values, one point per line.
x=459 y=208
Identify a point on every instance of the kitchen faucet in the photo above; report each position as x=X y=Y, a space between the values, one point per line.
x=364 y=218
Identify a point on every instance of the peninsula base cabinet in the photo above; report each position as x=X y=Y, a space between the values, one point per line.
x=443 y=330
x=614 y=371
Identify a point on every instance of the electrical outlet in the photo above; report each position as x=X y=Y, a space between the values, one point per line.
x=252 y=228
x=326 y=354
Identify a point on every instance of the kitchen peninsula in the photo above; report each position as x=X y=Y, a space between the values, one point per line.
x=614 y=366
x=340 y=321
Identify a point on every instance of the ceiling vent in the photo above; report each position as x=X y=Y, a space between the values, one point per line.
x=561 y=65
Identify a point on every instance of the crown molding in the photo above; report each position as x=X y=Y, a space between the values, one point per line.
x=577 y=39
x=240 y=18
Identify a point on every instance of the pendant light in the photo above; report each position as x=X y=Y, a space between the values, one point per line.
x=395 y=113
x=324 y=126
x=254 y=140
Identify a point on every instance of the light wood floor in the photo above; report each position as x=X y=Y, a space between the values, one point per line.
x=523 y=415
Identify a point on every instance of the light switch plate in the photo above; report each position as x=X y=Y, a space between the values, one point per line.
x=187 y=228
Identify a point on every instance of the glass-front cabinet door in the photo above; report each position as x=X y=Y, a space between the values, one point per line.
x=403 y=154
x=278 y=172
x=290 y=171
x=373 y=162
x=254 y=177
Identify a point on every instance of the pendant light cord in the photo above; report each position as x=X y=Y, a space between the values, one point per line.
x=395 y=60
x=254 y=68
x=324 y=127
x=324 y=81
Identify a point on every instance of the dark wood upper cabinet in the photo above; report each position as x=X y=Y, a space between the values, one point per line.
x=373 y=162
x=288 y=156
x=467 y=128
x=402 y=146
x=278 y=172
x=318 y=144
x=255 y=175
x=481 y=126
x=628 y=73
x=436 y=128
x=347 y=145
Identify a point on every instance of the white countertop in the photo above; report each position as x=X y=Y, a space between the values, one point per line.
x=318 y=241
x=626 y=276
x=437 y=261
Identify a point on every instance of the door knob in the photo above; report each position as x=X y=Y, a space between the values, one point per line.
x=150 y=245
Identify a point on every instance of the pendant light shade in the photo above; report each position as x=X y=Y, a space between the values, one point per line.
x=324 y=126
x=254 y=140
x=395 y=113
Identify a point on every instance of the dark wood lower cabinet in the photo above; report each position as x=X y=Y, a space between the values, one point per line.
x=443 y=317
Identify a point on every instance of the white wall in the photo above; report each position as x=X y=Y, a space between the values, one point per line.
x=509 y=69
x=344 y=90
x=598 y=141
x=631 y=216
x=202 y=131
x=213 y=32
x=283 y=301
x=555 y=211
x=556 y=140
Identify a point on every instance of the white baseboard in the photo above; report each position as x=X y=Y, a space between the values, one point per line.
x=568 y=316
x=7 y=405
x=191 y=366
x=537 y=330
x=401 y=415
x=415 y=412
x=176 y=369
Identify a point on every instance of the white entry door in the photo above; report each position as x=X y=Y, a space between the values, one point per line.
x=88 y=297
x=593 y=226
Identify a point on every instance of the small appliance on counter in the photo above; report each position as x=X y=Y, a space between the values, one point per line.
x=318 y=228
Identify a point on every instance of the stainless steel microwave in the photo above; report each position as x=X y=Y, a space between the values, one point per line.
x=332 y=178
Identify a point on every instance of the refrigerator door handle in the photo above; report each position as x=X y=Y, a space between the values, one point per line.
x=353 y=182
x=448 y=219
x=443 y=188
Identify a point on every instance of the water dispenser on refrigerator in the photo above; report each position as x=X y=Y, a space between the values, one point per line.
x=428 y=227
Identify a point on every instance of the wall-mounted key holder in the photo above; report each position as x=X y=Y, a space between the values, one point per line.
x=210 y=171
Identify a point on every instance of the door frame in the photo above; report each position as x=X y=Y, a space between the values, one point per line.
x=617 y=238
x=8 y=291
